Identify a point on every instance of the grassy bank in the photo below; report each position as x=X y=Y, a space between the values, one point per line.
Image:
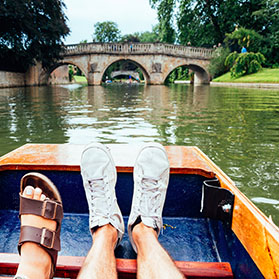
x=263 y=76
x=80 y=79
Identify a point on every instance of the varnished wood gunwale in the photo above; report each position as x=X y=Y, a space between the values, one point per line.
x=66 y=157
x=256 y=232
x=68 y=267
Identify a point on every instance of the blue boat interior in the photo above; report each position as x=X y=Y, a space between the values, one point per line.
x=187 y=235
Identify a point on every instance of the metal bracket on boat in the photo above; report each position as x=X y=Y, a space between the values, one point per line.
x=216 y=203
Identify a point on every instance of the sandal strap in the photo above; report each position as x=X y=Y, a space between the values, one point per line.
x=49 y=240
x=48 y=209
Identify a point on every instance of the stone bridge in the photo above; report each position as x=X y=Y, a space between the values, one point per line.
x=156 y=61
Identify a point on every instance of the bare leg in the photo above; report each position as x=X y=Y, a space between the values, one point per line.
x=100 y=261
x=99 y=178
x=35 y=262
x=153 y=261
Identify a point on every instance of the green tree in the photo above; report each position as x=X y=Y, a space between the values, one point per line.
x=31 y=31
x=244 y=63
x=240 y=37
x=106 y=32
x=134 y=38
x=143 y=37
x=71 y=72
x=205 y=22
x=165 y=11
x=269 y=15
x=217 y=65
x=180 y=73
x=150 y=37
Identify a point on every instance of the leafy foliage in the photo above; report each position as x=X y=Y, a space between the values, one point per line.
x=231 y=58
x=205 y=22
x=165 y=10
x=180 y=73
x=106 y=32
x=71 y=73
x=150 y=37
x=130 y=38
x=143 y=37
x=244 y=63
x=31 y=30
x=269 y=15
x=217 y=65
x=240 y=37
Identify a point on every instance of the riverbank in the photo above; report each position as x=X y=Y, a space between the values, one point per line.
x=236 y=84
x=80 y=79
x=246 y=85
x=265 y=76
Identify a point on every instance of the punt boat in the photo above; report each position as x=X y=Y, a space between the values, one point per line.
x=211 y=229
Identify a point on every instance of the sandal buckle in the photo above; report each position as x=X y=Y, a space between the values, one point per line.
x=43 y=213
x=47 y=240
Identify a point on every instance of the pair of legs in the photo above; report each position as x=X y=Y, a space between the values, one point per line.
x=106 y=222
x=152 y=261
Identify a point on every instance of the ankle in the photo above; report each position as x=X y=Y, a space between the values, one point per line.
x=142 y=232
x=107 y=233
x=35 y=262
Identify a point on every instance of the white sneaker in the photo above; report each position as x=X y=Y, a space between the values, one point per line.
x=99 y=178
x=151 y=178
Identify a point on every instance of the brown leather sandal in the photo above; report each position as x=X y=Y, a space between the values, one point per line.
x=51 y=208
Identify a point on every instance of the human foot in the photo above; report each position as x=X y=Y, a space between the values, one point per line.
x=99 y=178
x=41 y=213
x=151 y=177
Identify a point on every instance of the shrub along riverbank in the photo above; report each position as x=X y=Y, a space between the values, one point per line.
x=263 y=76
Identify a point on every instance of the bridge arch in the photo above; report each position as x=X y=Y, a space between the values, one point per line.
x=202 y=76
x=138 y=64
x=45 y=75
x=133 y=74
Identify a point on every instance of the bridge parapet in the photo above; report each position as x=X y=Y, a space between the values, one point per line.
x=138 y=49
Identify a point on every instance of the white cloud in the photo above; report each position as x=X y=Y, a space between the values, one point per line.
x=128 y=14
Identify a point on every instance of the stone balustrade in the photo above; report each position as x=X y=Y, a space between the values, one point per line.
x=138 y=49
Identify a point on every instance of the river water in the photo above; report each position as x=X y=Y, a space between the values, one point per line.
x=237 y=128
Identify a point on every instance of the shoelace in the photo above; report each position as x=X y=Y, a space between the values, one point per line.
x=150 y=198
x=100 y=204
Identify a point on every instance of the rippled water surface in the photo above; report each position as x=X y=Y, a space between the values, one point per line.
x=237 y=128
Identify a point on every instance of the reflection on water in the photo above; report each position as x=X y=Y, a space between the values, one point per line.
x=237 y=128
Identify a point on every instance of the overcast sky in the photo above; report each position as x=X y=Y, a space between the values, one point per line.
x=130 y=15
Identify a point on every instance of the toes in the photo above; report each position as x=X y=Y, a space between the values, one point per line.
x=37 y=193
x=31 y=193
x=28 y=192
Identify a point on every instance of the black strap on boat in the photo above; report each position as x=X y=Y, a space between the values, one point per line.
x=217 y=203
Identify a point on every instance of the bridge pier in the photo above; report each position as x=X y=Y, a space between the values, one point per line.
x=94 y=79
x=155 y=79
x=201 y=78
x=33 y=75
